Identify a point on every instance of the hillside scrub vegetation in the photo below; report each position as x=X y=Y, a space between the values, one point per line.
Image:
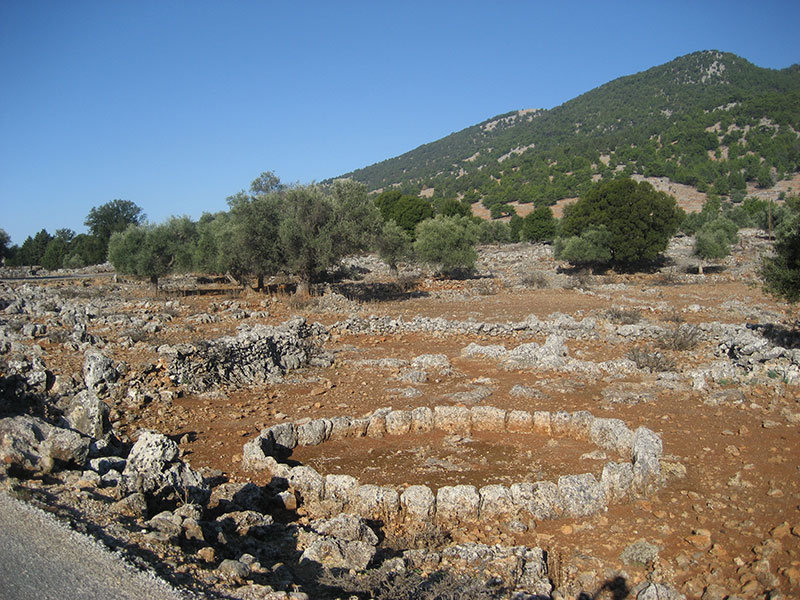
x=711 y=120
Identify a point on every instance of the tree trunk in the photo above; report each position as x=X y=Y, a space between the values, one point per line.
x=700 y=268
x=260 y=283
x=303 y=288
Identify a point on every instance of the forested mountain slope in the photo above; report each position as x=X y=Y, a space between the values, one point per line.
x=709 y=119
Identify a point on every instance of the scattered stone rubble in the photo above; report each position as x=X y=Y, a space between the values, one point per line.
x=62 y=428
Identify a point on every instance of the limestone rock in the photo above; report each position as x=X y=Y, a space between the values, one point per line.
x=314 y=432
x=457 y=504
x=488 y=418
x=376 y=502
x=422 y=419
x=88 y=414
x=582 y=495
x=347 y=527
x=519 y=421
x=452 y=419
x=496 y=503
x=616 y=480
x=98 y=372
x=418 y=503
x=612 y=434
x=155 y=468
x=398 y=422
x=541 y=500
x=338 y=554
x=308 y=483
x=647 y=450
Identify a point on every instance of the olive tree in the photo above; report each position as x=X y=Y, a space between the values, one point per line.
x=714 y=240
x=447 y=243
x=319 y=226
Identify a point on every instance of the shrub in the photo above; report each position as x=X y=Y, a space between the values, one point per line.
x=535 y=279
x=681 y=337
x=781 y=272
x=651 y=360
x=623 y=316
x=494 y=232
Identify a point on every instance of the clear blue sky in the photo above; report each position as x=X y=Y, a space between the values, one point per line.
x=177 y=104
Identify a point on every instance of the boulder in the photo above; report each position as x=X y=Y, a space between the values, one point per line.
x=612 y=434
x=422 y=419
x=375 y=502
x=452 y=419
x=284 y=436
x=398 y=422
x=497 y=503
x=154 y=467
x=337 y=554
x=314 y=432
x=647 y=450
x=308 y=484
x=98 y=372
x=347 y=527
x=29 y=444
x=617 y=480
x=339 y=489
x=257 y=453
x=519 y=421
x=488 y=418
x=376 y=426
x=88 y=414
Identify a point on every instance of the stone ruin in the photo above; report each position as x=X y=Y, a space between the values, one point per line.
x=255 y=356
x=418 y=505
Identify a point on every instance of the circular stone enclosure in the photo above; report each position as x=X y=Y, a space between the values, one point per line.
x=571 y=495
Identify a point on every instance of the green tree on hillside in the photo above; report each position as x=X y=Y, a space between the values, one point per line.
x=5 y=245
x=405 y=210
x=781 y=272
x=539 y=225
x=393 y=244
x=153 y=251
x=639 y=221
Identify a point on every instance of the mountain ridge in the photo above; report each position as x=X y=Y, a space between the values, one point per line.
x=629 y=125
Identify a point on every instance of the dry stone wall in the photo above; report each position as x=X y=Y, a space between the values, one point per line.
x=579 y=495
x=257 y=355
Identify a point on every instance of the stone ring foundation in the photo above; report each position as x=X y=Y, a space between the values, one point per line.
x=581 y=495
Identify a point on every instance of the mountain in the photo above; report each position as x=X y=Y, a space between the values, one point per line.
x=709 y=119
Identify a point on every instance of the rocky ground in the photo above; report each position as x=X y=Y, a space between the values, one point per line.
x=706 y=362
